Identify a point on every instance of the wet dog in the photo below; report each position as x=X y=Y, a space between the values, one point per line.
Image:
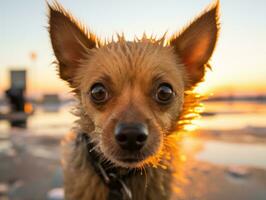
x=132 y=97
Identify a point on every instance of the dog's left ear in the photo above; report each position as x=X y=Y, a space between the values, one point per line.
x=196 y=43
x=70 y=41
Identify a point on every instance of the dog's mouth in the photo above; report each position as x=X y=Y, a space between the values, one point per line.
x=136 y=160
x=131 y=160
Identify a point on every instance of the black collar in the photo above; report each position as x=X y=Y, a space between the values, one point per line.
x=114 y=180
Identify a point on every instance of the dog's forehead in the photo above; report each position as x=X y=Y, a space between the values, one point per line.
x=139 y=62
x=137 y=57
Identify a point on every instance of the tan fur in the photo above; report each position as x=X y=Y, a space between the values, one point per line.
x=131 y=73
x=81 y=182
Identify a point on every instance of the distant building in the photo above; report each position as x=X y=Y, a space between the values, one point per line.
x=18 y=79
x=16 y=98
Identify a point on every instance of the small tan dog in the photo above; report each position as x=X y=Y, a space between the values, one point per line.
x=131 y=97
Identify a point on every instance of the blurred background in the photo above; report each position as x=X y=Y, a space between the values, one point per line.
x=224 y=158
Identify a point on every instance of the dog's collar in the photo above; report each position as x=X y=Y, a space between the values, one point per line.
x=114 y=180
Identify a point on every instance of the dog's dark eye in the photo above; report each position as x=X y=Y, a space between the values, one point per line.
x=164 y=93
x=98 y=93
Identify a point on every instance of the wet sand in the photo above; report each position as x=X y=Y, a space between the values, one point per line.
x=30 y=167
x=213 y=182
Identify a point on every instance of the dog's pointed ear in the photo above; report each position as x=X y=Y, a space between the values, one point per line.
x=70 y=40
x=196 y=43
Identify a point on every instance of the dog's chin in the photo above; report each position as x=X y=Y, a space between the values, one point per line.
x=126 y=162
x=129 y=162
x=125 y=159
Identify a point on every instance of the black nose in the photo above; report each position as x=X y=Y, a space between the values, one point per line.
x=131 y=136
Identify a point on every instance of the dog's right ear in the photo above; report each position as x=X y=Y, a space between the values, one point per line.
x=69 y=39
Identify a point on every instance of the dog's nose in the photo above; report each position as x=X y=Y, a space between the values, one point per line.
x=131 y=136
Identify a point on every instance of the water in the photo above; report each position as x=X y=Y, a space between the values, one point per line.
x=234 y=115
x=241 y=116
x=46 y=123
x=253 y=155
x=50 y=123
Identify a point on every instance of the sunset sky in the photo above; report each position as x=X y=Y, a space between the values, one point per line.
x=239 y=61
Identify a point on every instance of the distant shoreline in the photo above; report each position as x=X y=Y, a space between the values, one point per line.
x=246 y=98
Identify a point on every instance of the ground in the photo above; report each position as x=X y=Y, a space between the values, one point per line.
x=30 y=168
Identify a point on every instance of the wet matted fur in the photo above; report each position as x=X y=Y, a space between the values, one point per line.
x=131 y=72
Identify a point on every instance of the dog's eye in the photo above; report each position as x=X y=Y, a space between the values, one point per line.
x=164 y=93
x=98 y=93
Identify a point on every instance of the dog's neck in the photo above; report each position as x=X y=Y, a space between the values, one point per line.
x=113 y=177
x=151 y=183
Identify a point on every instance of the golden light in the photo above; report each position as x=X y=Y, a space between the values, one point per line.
x=190 y=127
x=190 y=114
x=28 y=108
x=183 y=158
x=202 y=88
